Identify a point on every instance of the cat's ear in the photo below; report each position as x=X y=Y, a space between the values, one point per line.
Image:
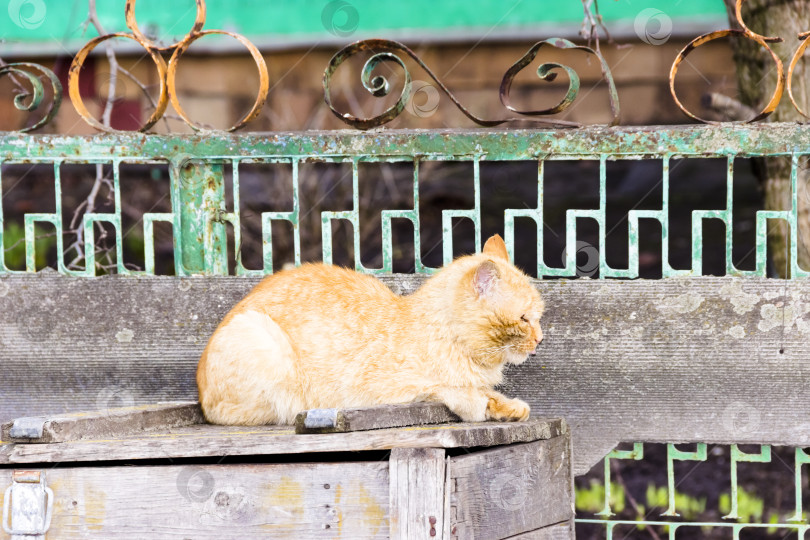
x=485 y=278
x=496 y=247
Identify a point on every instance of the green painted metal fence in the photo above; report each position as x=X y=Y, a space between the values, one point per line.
x=198 y=202
x=669 y=519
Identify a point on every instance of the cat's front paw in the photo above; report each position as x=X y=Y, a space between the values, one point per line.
x=507 y=410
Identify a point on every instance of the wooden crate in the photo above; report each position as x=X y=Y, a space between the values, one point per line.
x=157 y=472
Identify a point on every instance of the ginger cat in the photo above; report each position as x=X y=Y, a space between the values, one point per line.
x=322 y=336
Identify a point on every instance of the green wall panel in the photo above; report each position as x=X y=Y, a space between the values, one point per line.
x=61 y=21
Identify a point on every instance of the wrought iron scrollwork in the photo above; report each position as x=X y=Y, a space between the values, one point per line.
x=31 y=101
x=547 y=72
x=384 y=52
x=803 y=36
x=166 y=72
x=783 y=79
x=744 y=33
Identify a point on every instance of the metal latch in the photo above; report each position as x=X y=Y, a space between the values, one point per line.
x=27 y=428
x=27 y=506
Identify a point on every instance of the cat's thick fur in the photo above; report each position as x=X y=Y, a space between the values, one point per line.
x=322 y=336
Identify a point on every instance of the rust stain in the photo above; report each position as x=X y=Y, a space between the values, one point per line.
x=166 y=72
x=746 y=33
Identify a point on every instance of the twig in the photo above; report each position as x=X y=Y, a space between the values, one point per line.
x=19 y=86
x=89 y=204
x=146 y=93
x=92 y=18
x=591 y=23
x=617 y=475
x=21 y=240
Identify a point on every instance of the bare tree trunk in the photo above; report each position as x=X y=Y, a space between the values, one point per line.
x=756 y=78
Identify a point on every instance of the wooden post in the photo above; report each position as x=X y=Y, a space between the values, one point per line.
x=416 y=487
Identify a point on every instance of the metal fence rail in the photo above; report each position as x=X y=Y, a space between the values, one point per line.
x=199 y=214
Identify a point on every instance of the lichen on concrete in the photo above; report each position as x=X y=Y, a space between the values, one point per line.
x=736 y=331
x=684 y=303
x=742 y=301
x=124 y=336
x=780 y=313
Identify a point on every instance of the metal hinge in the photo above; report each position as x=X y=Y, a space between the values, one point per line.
x=27 y=506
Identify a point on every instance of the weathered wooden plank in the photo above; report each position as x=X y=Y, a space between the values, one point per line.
x=676 y=360
x=210 y=440
x=416 y=493
x=365 y=418
x=113 y=422
x=307 y=501
x=503 y=492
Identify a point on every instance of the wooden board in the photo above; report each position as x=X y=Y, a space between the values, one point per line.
x=675 y=360
x=117 y=422
x=302 y=501
x=365 y=418
x=209 y=440
x=504 y=492
x=107 y=423
x=417 y=493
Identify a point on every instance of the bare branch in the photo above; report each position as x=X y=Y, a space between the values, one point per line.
x=146 y=93
x=92 y=18
x=22 y=240
x=89 y=204
x=617 y=475
x=592 y=23
x=19 y=87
